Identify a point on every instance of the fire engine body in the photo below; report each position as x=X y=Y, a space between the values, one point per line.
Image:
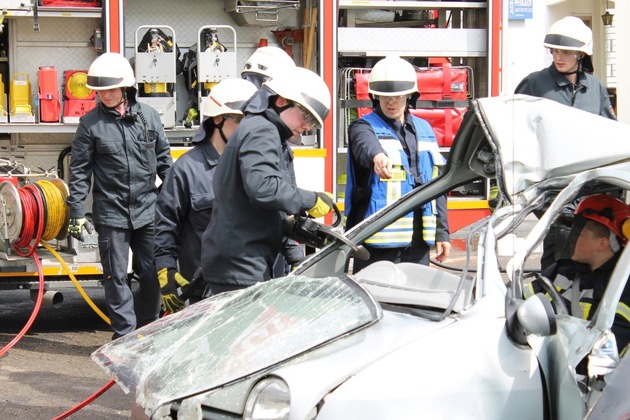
x=68 y=36
x=328 y=35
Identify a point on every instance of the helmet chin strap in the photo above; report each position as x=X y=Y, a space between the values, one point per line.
x=279 y=109
x=614 y=243
x=123 y=100
x=577 y=69
x=220 y=127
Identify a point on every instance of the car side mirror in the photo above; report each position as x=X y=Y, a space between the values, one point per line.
x=531 y=316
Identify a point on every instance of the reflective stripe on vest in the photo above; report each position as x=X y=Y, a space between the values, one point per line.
x=386 y=192
x=563 y=285
x=429 y=161
x=429 y=214
x=623 y=311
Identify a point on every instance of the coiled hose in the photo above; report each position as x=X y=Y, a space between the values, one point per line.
x=44 y=218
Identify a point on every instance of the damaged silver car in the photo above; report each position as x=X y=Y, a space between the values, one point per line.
x=405 y=341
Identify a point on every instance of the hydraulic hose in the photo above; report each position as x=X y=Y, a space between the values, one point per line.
x=43 y=207
x=474 y=270
x=33 y=220
x=450 y=267
x=44 y=219
x=104 y=317
x=60 y=162
x=76 y=283
x=87 y=401
x=38 y=304
x=55 y=213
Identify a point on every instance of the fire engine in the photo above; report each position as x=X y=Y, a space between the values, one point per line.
x=46 y=47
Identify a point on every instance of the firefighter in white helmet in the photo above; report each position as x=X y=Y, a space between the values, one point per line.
x=121 y=147
x=390 y=152
x=254 y=184
x=264 y=63
x=568 y=80
x=184 y=206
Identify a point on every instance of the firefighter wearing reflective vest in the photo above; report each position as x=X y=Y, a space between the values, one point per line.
x=390 y=152
x=600 y=231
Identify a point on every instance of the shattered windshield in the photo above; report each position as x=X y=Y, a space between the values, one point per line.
x=231 y=335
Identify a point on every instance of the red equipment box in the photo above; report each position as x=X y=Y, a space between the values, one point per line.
x=70 y=3
x=444 y=121
x=78 y=98
x=76 y=85
x=443 y=83
x=443 y=98
x=49 y=102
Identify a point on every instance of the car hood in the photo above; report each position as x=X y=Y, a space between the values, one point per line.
x=233 y=338
x=537 y=139
x=232 y=335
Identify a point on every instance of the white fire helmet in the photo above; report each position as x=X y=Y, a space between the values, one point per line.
x=570 y=33
x=109 y=71
x=268 y=61
x=305 y=88
x=227 y=97
x=392 y=76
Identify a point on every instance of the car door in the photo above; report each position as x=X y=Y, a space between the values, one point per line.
x=580 y=357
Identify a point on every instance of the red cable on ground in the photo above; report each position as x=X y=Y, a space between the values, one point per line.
x=92 y=397
x=38 y=304
x=87 y=401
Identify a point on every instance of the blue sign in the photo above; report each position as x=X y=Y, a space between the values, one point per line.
x=520 y=9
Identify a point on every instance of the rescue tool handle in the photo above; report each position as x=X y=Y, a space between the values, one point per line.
x=337 y=215
x=194 y=282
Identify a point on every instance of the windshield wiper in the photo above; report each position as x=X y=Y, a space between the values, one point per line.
x=428 y=312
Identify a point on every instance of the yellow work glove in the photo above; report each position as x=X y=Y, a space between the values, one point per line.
x=323 y=205
x=170 y=280
x=493 y=199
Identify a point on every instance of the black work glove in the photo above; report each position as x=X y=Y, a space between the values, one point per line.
x=76 y=226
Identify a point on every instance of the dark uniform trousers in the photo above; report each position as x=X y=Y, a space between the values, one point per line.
x=114 y=245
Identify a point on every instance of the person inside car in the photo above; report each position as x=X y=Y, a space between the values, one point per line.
x=600 y=231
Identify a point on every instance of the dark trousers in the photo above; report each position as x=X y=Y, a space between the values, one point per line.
x=415 y=253
x=125 y=311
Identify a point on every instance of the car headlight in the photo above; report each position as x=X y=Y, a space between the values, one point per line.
x=269 y=399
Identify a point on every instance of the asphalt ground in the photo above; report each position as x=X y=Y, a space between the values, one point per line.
x=49 y=371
